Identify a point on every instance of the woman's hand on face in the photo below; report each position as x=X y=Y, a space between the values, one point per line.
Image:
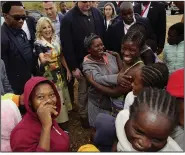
x=124 y=80
x=69 y=76
x=44 y=113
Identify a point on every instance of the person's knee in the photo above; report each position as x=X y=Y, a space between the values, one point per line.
x=105 y=129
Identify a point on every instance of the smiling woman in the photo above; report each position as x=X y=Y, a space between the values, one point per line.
x=104 y=69
x=48 y=49
x=140 y=128
x=38 y=131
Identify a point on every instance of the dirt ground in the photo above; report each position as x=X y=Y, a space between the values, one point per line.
x=80 y=136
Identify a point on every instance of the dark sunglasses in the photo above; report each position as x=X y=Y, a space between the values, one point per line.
x=18 y=17
x=86 y=1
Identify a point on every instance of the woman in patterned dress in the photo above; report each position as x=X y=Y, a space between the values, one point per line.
x=51 y=60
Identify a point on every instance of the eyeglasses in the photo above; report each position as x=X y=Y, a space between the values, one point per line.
x=18 y=17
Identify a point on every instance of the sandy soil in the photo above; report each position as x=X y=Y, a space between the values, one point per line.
x=80 y=136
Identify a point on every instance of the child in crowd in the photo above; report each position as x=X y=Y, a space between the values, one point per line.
x=38 y=130
x=147 y=51
x=140 y=128
x=174 y=49
x=155 y=76
x=175 y=87
x=10 y=117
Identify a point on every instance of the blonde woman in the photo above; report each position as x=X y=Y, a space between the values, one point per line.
x=109 y=12
x=51 y=59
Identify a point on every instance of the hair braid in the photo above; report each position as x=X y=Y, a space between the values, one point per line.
x=155 y=75
x=157 y=101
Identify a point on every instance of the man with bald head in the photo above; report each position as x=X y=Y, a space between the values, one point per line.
x=120 y=26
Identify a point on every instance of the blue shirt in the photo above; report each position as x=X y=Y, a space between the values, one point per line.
x=56 y=25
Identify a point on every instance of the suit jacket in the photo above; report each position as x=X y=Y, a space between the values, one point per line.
x=115 y=33
x=73 y=33
x=157 y=18
x=31 y=22
x=17 y=61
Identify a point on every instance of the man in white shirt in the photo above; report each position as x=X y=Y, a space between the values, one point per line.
x=120 y=26
x=156 y=13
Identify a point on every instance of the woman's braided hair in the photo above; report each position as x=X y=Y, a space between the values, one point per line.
x=134 y=36
x=157 y=101
x=88 y=40
x=155 y=75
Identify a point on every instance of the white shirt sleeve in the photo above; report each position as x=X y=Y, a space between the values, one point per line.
x=129 y=100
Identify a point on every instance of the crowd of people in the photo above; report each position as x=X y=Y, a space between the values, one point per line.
x=132 y=100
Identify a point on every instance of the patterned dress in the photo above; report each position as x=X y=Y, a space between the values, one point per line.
x=53 y=71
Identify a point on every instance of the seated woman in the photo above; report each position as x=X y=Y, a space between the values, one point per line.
x=10 y=117
x=104 y=68
x=48 y=49
x=140 y=128
x=38 y=130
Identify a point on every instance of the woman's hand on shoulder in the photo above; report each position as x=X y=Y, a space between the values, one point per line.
x=44 y=113
x=124 y=80
x=89 y=78
x=112 y=53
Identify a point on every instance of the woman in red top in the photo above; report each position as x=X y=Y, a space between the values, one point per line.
x=38 y=131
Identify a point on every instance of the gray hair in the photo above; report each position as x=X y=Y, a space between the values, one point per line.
x=126 y=6
x=88 y=40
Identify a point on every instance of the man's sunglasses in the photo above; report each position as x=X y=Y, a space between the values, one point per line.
x=85 y=1
x=18 y=17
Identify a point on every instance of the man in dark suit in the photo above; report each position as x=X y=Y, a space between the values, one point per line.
x=156 y=13
x=79 y=22
x=121 y=24
x=16 y=50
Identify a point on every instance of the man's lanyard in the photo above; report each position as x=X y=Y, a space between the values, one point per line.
x=146 y=7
